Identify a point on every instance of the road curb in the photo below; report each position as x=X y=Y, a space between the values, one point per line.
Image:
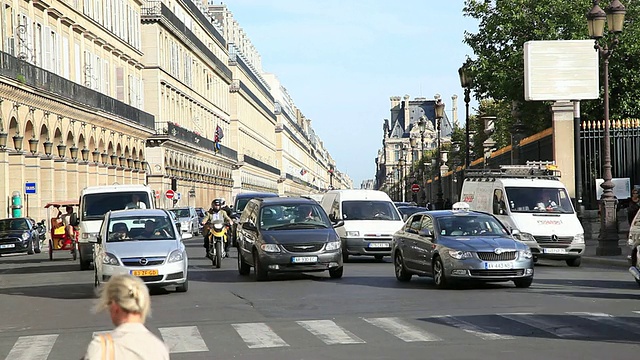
x=623 y=263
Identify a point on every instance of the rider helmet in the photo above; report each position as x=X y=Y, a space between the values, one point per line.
x=216 y=202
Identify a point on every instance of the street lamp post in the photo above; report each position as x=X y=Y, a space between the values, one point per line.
x=422 y=125
x=439 y=109
x=466 y=81
x=596 y=18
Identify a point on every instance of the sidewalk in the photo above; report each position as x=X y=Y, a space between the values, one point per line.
x=590 y=256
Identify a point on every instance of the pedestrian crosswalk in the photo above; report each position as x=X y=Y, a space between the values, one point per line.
x=349 y=331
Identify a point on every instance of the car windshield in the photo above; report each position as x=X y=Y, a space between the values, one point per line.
x=369 y=210
x=181 y=213
x=536 y=200
x=94 y=206
x=13 y=224
x=136 y=228
x=293 y=216
x=470 y=225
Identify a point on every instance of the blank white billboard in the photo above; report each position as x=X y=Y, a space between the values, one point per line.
x=560 y=70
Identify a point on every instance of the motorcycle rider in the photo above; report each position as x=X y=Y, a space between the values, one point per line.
x=216 y=213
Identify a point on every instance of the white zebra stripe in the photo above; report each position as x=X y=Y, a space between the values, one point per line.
x=259 y=335
x=472 y=329
x=609 y=320
x=183 y=339
x=549 y=326
x=35 y=347
x=401 y=329
x=329 y=332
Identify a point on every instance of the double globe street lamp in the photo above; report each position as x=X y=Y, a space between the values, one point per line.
x=613 y=16
x=466 y=81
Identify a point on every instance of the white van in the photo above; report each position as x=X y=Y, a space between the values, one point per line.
x=95 y=201
x=532 y=200
x=370 y=220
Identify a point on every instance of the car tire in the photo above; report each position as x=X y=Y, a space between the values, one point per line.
x=96 y=282
x=336 y=273
x=575 y=262
x=439 y=276
x=184 y=287
x=345 y=256
x=524 y=282
x=37 y=249
x=84 y=265
x=260 y=271
x=243 y=267
x=402 y=274
x=31 y=250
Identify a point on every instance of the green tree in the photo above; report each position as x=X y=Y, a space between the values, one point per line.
x=504 y=27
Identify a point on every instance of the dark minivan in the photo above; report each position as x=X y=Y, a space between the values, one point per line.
x=287 y=234
x=239 y=203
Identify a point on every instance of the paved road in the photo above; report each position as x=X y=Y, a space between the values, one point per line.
x=586 y=313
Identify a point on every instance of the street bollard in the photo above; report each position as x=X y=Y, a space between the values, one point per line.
x=16 y=205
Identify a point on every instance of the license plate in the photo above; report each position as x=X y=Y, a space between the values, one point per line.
x=498 y=265
x=304 y=259
x=554 y=251
x=144 y=272
x=7 y=246
x=378 y=245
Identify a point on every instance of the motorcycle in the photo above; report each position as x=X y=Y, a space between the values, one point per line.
x=217 y=238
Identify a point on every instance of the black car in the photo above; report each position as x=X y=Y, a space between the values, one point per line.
x=18 y=235
x=287 y=235
x=407 y=211
x=239 y=202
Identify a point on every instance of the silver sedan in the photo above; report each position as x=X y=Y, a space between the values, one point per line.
x=456 y=245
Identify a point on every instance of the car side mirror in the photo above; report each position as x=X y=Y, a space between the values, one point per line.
x=333 y=218
x=179 y=226
x=426 y=233
x=338 y=223
x=515 y=232
x=249 y=226
x=74 y=219
x=97 y=239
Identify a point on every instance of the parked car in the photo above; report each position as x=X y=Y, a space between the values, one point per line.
x=285 y=235
x=454 y=245
x=188 y=219
x=18 y=235
x=144 y=243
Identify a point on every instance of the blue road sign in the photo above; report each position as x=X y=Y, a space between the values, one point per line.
x=30 y=188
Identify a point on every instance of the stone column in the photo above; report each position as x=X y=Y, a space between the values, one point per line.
x=103 y=178
x=563 y=149
x=93 y=175
x=34 y=208
x=113 y=175
x=83 y=176
x=156 y=182
x=72 y=181
x=60 y=180
x=46 y=187
x=5 y=198
x=16 y=178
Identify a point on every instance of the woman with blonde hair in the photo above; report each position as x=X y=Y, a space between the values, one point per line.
x=129 y=303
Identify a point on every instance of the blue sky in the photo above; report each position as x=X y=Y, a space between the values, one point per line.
x=341 y=60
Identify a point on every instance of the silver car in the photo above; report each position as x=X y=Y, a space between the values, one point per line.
x=455 y=245
x=188 y=219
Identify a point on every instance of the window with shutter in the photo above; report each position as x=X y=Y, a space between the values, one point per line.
x=38 y=45
x=120 y=83
x=87 y=69
x=97 y=72
x=65 y=61
x=105 y=80
x=78 y=63
x=48 y=48
x=55 y=52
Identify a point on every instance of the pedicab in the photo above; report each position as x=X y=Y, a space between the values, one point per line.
x=58 y=238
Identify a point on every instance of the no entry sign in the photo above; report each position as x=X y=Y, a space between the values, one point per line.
x=170 y=194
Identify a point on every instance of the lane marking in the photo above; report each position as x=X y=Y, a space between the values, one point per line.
x=549 y=326
x=258 y=335
x=609 y=320
x=329 y=332
x=36 y=347
x=472 y=329
x=401 y=329
x=182 y=339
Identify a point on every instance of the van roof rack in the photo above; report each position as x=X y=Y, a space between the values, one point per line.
x=547 y=170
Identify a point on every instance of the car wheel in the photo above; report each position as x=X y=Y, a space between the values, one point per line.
x=638 y=282
x=523 y=283
x=37 y=249
x=439 y=277
x=31 y=250
x=96 y=282
x=184 y=287
x=574 y=262
x=50 y=250
x=402 y=274
x=345 y=256
x=260 y=271
x=336 y=273
x=84 y=265
x=243 y=267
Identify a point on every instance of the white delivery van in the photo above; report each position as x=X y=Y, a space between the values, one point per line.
x=95 y=201
x=370 y=220
x=530 y=199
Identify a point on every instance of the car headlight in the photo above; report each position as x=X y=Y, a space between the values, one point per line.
x=109 y=259
x=175 y=256
x=25 y=236
x=353 y=233
x=334 y=245
x=456 y=254
x=89 y=235
x=273 y=248
x=579 y=239
x=523 y=236
x=525 y=254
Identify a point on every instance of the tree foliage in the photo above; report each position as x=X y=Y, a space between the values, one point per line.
x=498 y=46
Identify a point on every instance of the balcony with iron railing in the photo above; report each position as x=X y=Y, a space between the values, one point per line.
x=179 y=133
x=43 y=80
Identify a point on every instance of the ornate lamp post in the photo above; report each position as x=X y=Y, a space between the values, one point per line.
x=596 y=18
x=466 y=81
x=439 y=109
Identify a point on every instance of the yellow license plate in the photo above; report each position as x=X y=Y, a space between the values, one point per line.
x=144 y=272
